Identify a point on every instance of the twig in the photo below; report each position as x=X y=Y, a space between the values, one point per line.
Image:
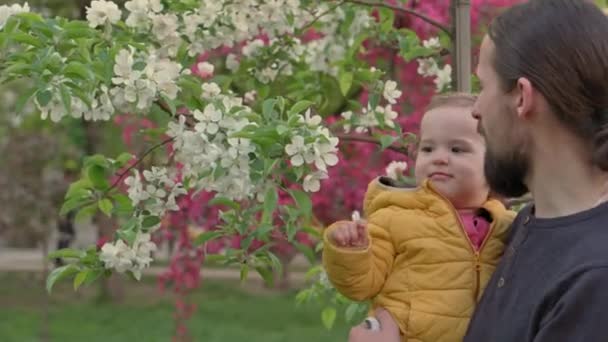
x=315 y=19
x=409 y=11
x=139 y=160
x=371 y=140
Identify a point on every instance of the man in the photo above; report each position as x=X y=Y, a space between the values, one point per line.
x=543 y=108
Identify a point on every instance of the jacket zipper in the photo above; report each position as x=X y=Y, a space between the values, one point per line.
x=476 y=253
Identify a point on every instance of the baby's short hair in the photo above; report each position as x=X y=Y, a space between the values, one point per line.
x=453 y=99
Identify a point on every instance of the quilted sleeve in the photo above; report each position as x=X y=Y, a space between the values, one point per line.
x=359 y=274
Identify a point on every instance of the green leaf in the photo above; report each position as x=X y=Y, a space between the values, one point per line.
x=127 y=235
x=97 y=159
x=78 y=29
x=386 y=141
x=277 y=266
x=303 y=296
x=86 y=212
x=351 y=311
x=206 y=236
x=73 y=203
x=92 y=275
x=23 y=100
x=268 y=108
x=218 y=200
x=150 y=221
x=270 y=203
x=67 y=253
x=19 y=68
x=303 y=201
x=387 y=18
x=328 y=316
x=78 y=69
x=282 y=129
x=97 y=176
x=58 y=274
x=244 y=272
x=44 y=97
x=307 y=251
x=80 y=188
x=26 y=39
x=106 y=206
x=123 y=159
x=299 y=107
x=374 y=99
x=170 y=103
x=262 y=231
x=80 y=278
x=266 y=274
x=123 y=203
x=66 y=97
x=291 y=230
x=346 y=81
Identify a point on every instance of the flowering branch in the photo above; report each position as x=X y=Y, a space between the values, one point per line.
x=404 y=10
x=315 y=19
x=139 y=160
x=362 y=138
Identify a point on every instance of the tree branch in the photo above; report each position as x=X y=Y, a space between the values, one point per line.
x=371 y=140
x=139 y=160
x=409 y=11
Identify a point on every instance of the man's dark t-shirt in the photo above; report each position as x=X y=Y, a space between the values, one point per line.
x=551 y=284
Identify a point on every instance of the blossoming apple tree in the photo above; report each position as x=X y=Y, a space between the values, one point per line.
x=262 y=117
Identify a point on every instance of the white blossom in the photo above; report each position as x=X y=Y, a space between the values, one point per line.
x=102 y=11
x=298 y=150
x=250 y=97
x=427 y=66
x=432 y=43
x=311 y=121
x=117 y=256
x=205 y=68
x=396 y=169
x=210 y=90
x=390 y=92
x=208 y=119
x=232 y=63
x=312 y=182
x=6 y=11
x=251 y=48
x=141 y=11
x=164 y=25
x=389 y=115
x=177 y=131
x=136 y=189
x=444 y=78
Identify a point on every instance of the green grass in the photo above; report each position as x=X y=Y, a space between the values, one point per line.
x=226 y=312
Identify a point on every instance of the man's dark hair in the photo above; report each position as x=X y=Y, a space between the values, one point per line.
x=561 y=46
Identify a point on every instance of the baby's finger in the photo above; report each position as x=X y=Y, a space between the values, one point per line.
x=339 y=237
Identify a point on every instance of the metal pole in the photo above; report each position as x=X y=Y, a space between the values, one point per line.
x=462 y=24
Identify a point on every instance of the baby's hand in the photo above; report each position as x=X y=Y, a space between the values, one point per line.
x=350 y=234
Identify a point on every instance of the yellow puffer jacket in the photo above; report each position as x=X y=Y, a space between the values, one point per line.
x=420 y=265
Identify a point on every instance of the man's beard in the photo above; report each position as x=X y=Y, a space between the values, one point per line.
x=505 y=175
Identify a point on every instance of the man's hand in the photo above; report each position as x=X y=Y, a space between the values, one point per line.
x=389 y=331
x=350 y=234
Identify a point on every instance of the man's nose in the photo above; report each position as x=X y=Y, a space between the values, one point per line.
x=476 y=114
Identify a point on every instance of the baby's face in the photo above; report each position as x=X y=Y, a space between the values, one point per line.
x=451 y=154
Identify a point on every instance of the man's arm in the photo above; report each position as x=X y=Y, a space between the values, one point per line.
x=581 y=314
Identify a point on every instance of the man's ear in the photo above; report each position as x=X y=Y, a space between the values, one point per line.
x=524 y=97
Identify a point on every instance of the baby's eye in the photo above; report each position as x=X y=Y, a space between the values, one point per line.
x=426 y=149
x=458 y=149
